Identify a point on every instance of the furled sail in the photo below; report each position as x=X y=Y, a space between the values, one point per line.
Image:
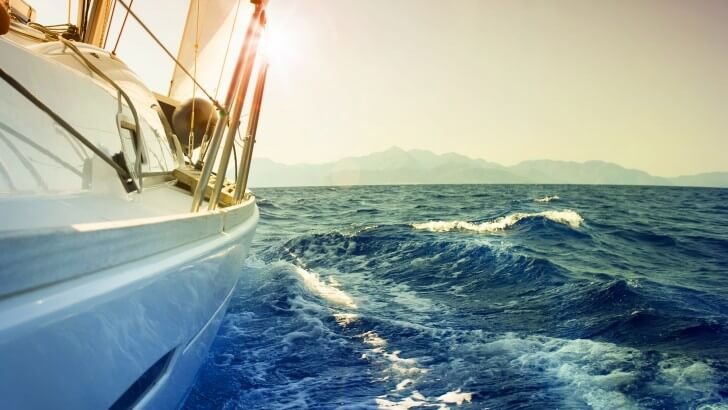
x=212 y=26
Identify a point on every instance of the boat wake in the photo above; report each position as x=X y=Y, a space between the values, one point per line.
x=566 y=217
x=392 y=366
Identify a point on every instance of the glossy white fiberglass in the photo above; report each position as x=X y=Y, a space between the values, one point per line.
x=97 y=284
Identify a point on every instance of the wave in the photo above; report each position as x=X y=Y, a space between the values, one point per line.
x=602 y=374
x=646 y=237
x=265 y=203
x=285 y=349
x=399 y=256
x=566 y=217
x=629 y=311
x=547 y=198
x=327 y=291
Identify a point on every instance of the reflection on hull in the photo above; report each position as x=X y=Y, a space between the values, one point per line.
x=133 y=334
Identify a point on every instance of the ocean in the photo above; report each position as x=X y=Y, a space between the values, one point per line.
x=478 y=296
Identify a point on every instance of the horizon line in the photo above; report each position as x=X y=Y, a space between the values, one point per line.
x=394 y=147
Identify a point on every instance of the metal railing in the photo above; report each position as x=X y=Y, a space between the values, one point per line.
x=247 y=59
x=229 y=113
x=136 y=174
x=234 y=102
x=120 y=94
x=241 y=181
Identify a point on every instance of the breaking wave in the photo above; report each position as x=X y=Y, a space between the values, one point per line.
x=566 y=217
x=547 y=198
x=329 y=291
x=341 y=307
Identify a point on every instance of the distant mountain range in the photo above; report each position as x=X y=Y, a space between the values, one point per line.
x=397 y=166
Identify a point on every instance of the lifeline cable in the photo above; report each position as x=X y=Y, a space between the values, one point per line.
x=123 y=173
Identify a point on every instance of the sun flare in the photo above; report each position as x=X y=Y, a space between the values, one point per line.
x=278 y=46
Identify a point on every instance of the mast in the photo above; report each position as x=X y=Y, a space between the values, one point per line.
x=233 y=104
x=93 y=20
x=250 y=51
x=82 y=12
x=98 y=22
x=242 y=178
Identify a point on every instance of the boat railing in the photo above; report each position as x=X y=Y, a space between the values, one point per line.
x=132 y=180
x=120 y=94
x=246 y=60
x=123 y=173
x=229 y=115
x=241 y=181
x=234 y=103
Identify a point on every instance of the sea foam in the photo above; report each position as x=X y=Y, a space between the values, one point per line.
x=599 y=373
x=547 y=198
x=566 y=217
x=456 y=397
x=328 y=291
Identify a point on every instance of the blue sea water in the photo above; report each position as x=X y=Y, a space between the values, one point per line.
x=478 y=296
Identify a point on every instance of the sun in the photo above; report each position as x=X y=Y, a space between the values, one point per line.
x=278 y=45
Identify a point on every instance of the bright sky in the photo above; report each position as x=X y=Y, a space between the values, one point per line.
x=640 y=83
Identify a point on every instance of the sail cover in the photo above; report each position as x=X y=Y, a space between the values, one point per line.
x=213 y=29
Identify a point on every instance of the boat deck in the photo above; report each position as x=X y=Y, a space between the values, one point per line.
x=33 y=212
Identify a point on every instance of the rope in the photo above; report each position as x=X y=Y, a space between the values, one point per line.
x=123 y=24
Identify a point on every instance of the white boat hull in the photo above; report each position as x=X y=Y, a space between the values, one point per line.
x=111 y=289
x=89 y=341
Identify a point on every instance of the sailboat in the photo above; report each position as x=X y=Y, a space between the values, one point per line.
x=121 y=236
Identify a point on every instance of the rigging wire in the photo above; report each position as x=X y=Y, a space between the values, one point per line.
x=123 y=173
x=235 y=153
x=235 y=158
x=121 y=94
x=227 y=50
x=111 y=19
x=84 y=25
x=235 y=147
x=219 y=79
x=191 y=136
x=159 y=43
x=123 y=24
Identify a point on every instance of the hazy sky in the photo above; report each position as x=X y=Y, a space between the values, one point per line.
x=640 y=83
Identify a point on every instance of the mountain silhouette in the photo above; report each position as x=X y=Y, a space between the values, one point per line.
x=396 y=166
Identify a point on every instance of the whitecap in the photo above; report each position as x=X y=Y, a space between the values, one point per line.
x=373 y=339
x=713 y=406
x=547 y=198
x=456 y=397
x=328 y=291
x=566 y=217
x=403 y=384
x=686 y=379
x=345 y=319
x=594 y=371
x=599 y=373
x=405 y=404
